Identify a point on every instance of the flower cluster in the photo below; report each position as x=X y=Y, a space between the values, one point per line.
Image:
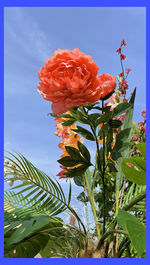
x=69 y=138
x=69 y=79
x=123 y=85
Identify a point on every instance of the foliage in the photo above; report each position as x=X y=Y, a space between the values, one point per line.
x=113 y=185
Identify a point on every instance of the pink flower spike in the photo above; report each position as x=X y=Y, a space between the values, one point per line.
x=142 y=128
x=134 y=138
x=125 y=100
x=140 y=123
x=143 y=113
x=121 y=74
x=128 y=70
x=118 y=50
x=123 y=43
x=122 y=56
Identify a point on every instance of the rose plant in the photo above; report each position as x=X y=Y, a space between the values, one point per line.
x=85 y=106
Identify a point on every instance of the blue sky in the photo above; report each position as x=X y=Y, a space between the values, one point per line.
x=31 y=36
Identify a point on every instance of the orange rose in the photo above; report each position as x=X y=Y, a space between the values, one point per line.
x=68 y=79
x=107 y=84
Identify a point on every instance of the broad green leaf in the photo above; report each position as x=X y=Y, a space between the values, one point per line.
x=27 y=228
x=27 y=248
x=123 y=217
x=134 y=169
x=137 y=234
x=142 y=148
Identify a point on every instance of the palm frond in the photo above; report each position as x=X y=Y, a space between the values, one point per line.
x=37 y=190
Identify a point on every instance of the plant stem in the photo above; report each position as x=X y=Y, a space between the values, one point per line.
x=91 y=197
x=86 y=210
x=135 y=201
x=103 y=177
x=101 y=241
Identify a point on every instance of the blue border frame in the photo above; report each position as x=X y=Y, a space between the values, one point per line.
x=68 y=3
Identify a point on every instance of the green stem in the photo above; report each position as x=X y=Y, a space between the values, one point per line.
x=86 y=210
x=91 y=197
x=103 y=178
x=135 y=201
x=124 y=247
x=101 y=241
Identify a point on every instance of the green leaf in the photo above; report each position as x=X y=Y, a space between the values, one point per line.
x=78 y=180
x=85 y=133
x=123 y=217
x=69 y=122
x=104 y=130
x=121 y=108
x=125 y=137
x=27 y=228
x=142 y=148
x=27 y=248
x=104 y=118
x=137 y=234
x=137 y=172
x=133 y=97
x=77 y=115
x=115 y=123
x=84 y=151
x=60 y=116
x=67 y=161
x=82 y=197
x=74 y=153
x=77 y=171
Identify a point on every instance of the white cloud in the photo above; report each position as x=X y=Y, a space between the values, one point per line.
x=26 y=32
